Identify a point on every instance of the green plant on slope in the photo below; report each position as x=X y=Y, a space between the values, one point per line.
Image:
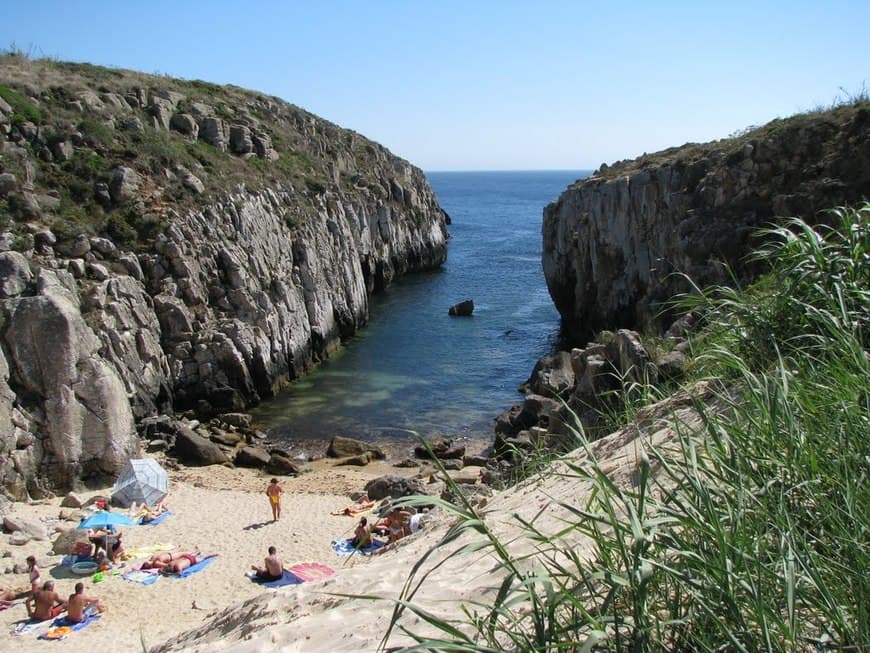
x=749 y=531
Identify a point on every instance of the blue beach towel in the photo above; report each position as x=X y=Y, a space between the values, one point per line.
x=287 y=579
x=154 y=522
x=64 y=622
x=345 y=548
x=199 y=566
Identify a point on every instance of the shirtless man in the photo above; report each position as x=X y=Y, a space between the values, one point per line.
x=79 y=604
x=45 y=603
x=273 y=568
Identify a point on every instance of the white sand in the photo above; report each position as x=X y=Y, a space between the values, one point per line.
x=221 y=510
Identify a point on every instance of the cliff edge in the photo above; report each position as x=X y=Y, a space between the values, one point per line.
x=615 y=243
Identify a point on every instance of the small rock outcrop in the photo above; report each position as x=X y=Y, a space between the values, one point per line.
x=463 y=309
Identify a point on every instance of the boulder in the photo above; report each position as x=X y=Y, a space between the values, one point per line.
x=462 y=309
x=239 y=420
x=552 y=375
x=66 y=541
x=282 y=465
x=341 y=447
x=361 y=460
x=184 y=124
x=228 y=439
x=194 y=449
x=392 y=486
x=124 y=184
x=252 y=457
x=72 y=500
x=15 y=274
x=34 y=528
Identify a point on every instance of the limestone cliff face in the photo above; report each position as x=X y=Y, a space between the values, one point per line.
x=613 y=244
x=169 y=246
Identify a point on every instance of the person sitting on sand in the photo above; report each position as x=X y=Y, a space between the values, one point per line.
x=80 y=606
x=45 y=603
x=272 y=569
x=34 y=574
x=116 y=549
x=362 y=534
x=399 y=521
x=99 y=537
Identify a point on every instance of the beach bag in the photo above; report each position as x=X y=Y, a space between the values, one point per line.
x=82 y=549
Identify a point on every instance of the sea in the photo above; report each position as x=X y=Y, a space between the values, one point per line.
x=414 y=371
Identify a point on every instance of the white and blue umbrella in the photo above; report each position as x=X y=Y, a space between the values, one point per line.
x=142 y=480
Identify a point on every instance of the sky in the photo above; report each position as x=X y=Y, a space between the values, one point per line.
x=486 y=85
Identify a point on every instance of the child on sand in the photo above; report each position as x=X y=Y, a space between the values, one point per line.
x=274 y=492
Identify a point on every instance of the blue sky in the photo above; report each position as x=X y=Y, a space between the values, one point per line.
x=472 y=85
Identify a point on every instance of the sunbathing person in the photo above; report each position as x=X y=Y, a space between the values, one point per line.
x=160 y=560
x=272 y=569
x=181 y=561
x=360 y=505
x=7 y=596
x=45 y=603
x=80 y=606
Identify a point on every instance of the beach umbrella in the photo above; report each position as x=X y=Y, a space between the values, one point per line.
x=104 y=519
x=142 y=480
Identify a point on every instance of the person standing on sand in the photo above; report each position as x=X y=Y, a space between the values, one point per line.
x=274 y=492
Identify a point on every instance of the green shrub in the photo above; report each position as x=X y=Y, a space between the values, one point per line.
x=23 y=109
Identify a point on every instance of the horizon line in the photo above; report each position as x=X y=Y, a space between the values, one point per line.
x=426 y=170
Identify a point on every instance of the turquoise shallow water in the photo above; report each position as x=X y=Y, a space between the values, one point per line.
x=414 y=369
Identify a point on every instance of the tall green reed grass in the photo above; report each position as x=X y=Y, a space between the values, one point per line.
x=750 y=530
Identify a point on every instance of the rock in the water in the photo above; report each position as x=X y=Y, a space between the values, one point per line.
x=462 y=309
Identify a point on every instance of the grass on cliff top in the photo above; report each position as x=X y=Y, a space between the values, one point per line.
x=43 y=92
x=751 y=535
x=836 y=114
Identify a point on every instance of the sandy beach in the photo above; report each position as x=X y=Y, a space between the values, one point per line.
x=225 y=511
x=220 y=510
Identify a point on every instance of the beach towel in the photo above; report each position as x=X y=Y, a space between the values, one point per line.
x=142 y=576
x=62 y=627
x=199 y=566
x=311 y=571
x=29 y=626
x=156 y=521
x=343 y=547
x=149 y=549
x=286 y=579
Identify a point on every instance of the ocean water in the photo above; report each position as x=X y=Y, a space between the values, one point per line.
x=416 y=370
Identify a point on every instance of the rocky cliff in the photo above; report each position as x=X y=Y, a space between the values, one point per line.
x=614 y=243
x=169 y=245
